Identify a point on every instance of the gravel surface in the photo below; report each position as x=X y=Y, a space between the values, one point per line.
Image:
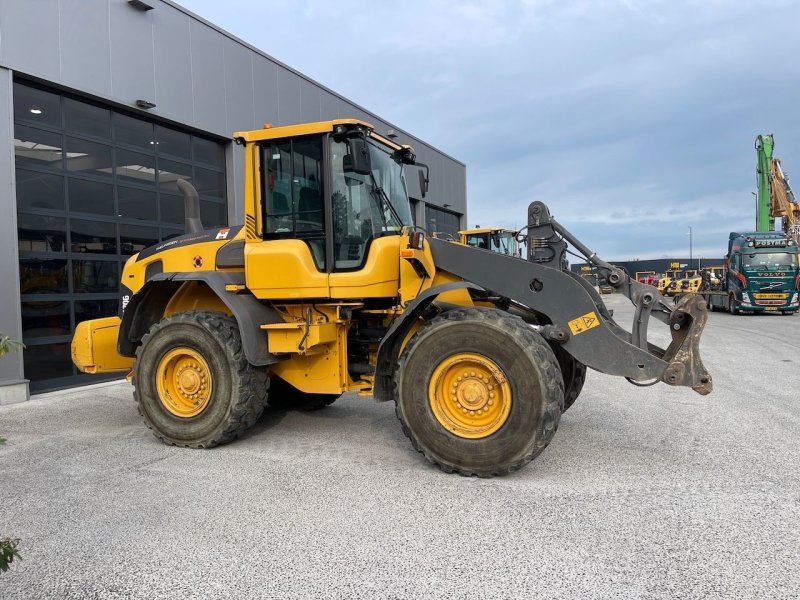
x=654 y=492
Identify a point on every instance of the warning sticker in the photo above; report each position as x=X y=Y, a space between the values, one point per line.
x=584 y=323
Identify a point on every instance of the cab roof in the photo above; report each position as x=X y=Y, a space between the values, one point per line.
x=285 y=131
x=485 y=230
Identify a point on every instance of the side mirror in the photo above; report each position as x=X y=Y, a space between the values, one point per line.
x=357 y=159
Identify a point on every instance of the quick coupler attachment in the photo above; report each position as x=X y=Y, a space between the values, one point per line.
x=686 y=324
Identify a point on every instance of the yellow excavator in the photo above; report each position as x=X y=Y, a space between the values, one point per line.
x=328 y=287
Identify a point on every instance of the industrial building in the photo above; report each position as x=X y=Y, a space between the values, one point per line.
x=104 y=104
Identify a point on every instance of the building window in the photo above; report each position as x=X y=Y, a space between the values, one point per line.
x=441 y=221
x=94 y=186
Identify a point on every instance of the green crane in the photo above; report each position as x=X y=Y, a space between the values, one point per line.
x=764 y=146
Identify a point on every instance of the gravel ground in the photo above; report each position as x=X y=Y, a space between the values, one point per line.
x=654 y=492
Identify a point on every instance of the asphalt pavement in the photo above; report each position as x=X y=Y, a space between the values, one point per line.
x=645 y=492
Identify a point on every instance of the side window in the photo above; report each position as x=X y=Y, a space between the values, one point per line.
x=294 y=203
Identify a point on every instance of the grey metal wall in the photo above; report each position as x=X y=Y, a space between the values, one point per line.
x=197 y=75
x=10 y=365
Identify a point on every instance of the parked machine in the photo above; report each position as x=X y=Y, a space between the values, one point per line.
x=762 y=274
x=666 y=280
x=775 y=197
x=682 y=283
x=328 y=287
x=762 y=270
x=495 y=239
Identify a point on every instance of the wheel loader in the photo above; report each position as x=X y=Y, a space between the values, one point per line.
x=494 y=239
x=328 y=287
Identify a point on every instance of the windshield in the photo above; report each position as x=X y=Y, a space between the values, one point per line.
x=360 y=212
x=781 y=261
x=388 y=172
x=502 y=242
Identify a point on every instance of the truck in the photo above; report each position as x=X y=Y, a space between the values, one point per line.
x=761 y=274
x=328 y=287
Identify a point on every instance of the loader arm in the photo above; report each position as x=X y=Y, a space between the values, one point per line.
x=573 y=314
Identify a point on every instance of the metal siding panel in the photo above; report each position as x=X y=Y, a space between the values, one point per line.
x=85 y=47
x=238 y=87
x=10 y=319
x=288 y=98
x=208 y=79
x=132 y=67
x=329 y=106
x=265 y=85
x=173 y=64
x=22 y=21
x=309 y=101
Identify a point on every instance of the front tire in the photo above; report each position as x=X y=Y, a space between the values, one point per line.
x=478 y=392
x=192 y=382
x=732 y=305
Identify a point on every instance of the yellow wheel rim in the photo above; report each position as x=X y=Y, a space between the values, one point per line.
x=183 y=381
x=469 y=395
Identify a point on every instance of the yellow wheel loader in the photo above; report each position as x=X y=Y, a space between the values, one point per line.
x=328 y=288
x=494 y=239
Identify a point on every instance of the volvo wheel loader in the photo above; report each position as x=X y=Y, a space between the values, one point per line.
x=328 y=287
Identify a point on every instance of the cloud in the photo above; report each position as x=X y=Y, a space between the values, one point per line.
x=634 y=120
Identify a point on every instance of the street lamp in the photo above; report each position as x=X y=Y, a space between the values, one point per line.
x=690 y=246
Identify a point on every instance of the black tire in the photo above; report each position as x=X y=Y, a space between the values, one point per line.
x=529 y=367
x=283 y=396
x=239 y=392
x=732 y=306
x=573 y=373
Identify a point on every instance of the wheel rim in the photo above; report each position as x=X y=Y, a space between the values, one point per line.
x=469 y=395
x=183 y=381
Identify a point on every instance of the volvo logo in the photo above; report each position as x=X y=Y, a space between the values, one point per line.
x=772 y=286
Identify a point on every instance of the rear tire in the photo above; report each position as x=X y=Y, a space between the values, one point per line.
x=489 y=361
x=573 y=372
x=284 y=396
x=192 y=382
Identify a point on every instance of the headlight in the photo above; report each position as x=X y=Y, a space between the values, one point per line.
x=794 y=299
x=745 y=298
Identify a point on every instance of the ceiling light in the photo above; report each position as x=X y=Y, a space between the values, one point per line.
x=35 y=110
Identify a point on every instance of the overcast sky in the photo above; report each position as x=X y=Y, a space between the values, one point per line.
x=632 y=119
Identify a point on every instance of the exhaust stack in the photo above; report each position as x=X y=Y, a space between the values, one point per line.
x=191 y=206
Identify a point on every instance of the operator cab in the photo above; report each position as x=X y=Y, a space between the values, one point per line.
x=501 y=241
x=331 y=199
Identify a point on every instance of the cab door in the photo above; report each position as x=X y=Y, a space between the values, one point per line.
x=289 y=262
x=365 y=248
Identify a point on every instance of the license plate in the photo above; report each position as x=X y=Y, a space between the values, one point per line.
x=772 y=308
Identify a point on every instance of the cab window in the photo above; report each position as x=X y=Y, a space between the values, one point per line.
x=293 y=202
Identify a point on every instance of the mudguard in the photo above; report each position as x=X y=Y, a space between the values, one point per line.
x=147 y=306
x=391 y=344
